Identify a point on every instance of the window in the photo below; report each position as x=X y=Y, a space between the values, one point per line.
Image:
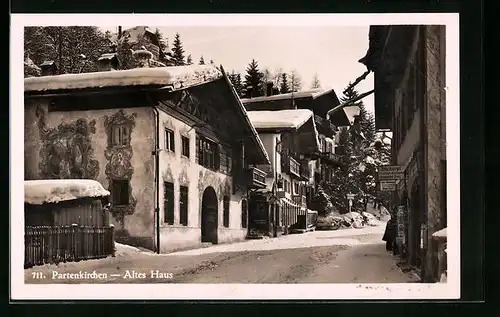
x=169 y=140
x=225 y=160
x=244 y=213
x=185 y=146
x=120 y=135
x=208 y=153
x=225 y=220
x=119 y=192
x=168 y=203
x=296 y=189
x=183 y=217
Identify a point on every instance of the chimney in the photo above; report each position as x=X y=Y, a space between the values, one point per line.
x=143 y=57
x=49 y=68
x=119 y=32
x=107 y=62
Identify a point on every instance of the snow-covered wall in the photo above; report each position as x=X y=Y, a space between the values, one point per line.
x=74 y=144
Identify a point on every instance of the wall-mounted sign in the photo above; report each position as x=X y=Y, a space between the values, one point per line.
x=388 y=186
x=401 y=226
x=391 y=172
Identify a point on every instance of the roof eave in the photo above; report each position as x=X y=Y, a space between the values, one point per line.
x=255 y=135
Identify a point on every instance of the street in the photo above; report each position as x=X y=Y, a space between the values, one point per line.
x=342 y=256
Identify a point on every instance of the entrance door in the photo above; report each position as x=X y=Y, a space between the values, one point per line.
x=209 y=216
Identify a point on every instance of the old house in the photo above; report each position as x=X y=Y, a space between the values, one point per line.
x=320 y=102
x=291 y=140
x=173 y=145
x=409 y=66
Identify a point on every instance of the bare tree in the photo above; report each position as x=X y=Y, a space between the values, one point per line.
x=315 y=82
x=277 y=77
x=295 y=81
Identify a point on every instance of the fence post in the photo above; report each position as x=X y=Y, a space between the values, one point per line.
x=74 y=242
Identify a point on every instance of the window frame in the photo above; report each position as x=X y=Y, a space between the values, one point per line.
x=185 y=147
x=120 y=135
x=169 y=140
x=226 y=201
x=183 y=205
x=125 y=189
x=168 y=215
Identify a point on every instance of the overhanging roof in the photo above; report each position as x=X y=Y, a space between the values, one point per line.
x=284 y=120
x=175 y=77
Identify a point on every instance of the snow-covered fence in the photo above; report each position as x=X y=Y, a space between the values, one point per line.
x=54 y=244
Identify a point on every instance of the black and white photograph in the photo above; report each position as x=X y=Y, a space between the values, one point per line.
x=235 y=156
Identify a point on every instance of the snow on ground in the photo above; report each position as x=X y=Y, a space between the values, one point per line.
x=126 y=250
x=38 y=192
x=440 y=234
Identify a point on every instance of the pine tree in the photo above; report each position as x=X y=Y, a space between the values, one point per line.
x=189 y=60
x=75 y=49
x=211 y=61
x=315 y=83
x=236 y=81
x=178 y=51
x=253 y=81
x=202 y=61
x=284 y=88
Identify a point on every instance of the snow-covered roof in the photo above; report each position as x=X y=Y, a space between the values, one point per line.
x=440 y=234
x=313 y=93
x=174 y=76
x=37 y=192
x=351 y=112
x=283 y=119
x=279 y=119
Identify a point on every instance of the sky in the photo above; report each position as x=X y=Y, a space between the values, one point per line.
x=331 y=52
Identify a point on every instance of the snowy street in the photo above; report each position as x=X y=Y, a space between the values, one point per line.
x=342 y=256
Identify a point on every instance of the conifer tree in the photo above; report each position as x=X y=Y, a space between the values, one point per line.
x=189 y=60
x=178 y=51
x=253 y=81
x=284 y=88
x=202 y=61
x=295 y=81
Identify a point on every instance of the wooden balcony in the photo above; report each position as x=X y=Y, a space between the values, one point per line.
x=255 y=178
x=304 y=171
x=331 y=158
x=324 y=126
x=290 y=166
x=300 y=200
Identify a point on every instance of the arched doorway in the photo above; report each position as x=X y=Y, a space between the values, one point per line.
x=209 y=216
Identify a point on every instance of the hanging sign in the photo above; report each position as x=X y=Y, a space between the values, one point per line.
x=391 y=172
x=388 y=186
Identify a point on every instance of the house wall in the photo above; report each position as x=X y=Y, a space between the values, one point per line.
x=432 y=177
x=435 y=93
x=180 y=170
x=81 y=136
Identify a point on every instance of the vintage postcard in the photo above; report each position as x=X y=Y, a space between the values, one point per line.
x=235 y=156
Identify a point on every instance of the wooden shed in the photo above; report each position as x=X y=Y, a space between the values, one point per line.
x=63 y=202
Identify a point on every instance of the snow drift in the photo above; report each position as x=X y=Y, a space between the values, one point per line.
x=37 y=192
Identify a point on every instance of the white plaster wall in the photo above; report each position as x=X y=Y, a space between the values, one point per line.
x=185 y=171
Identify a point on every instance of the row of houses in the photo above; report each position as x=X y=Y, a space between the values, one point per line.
x=186 y=161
